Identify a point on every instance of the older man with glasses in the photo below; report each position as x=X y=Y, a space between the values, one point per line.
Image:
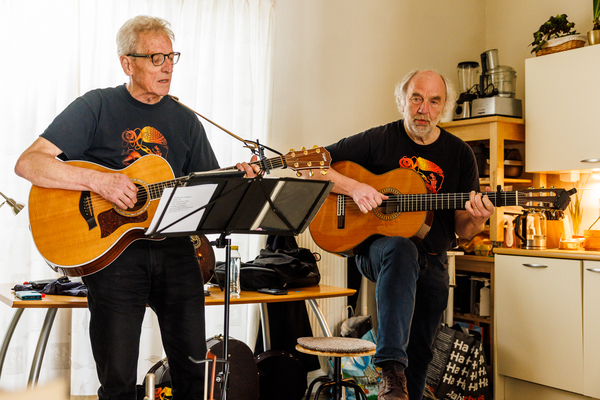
x=114 y=127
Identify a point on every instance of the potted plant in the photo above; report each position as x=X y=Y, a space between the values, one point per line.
x=594 y=34
x=556 y=34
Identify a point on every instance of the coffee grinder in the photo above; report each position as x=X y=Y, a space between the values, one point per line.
x=467 y=84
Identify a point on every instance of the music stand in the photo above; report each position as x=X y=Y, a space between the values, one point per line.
x=225 y=204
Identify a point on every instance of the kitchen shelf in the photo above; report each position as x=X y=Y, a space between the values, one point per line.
x=498 y=131
x=516 y=181
x=479 y=265
x=472 y=318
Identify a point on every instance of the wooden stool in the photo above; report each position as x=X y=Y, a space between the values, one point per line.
x=336 y=348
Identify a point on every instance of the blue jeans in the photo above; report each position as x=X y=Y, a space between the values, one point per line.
x=412 y=294
x=165 y=275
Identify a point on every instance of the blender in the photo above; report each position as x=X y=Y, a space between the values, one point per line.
x=467 y=84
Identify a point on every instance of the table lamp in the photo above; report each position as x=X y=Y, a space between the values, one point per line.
x=16 y=207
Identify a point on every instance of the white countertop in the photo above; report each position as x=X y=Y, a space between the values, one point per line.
x=551 y=253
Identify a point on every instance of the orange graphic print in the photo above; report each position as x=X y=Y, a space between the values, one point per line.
x=139 y=142
x=163 y=393
x=432 y=175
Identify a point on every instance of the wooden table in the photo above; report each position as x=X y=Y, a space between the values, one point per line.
x=52 y=303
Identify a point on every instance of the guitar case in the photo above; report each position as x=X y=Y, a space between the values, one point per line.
x=280 y=376
x=243 y=372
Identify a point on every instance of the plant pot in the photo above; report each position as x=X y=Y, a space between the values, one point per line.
x=593 y=37
x=561 y=44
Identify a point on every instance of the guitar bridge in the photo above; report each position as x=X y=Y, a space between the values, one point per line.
x=341 y=211
x=86 y=210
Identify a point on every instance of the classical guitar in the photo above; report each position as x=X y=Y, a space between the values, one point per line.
x=340 y=227
x=79 y=233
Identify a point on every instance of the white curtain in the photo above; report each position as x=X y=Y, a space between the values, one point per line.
x=54 y=51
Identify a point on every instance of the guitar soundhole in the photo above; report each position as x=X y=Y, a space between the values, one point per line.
x=141 y=204
x=142 y=198
x=390 y=208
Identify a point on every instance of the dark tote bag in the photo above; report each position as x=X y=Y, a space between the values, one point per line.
x=458 y=369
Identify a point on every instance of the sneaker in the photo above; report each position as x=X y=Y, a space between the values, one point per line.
x=393 y=385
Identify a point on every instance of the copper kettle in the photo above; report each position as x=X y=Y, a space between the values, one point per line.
x=530 y=227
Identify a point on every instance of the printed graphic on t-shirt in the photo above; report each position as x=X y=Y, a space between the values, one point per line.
x=140 y=142
x=432 y=175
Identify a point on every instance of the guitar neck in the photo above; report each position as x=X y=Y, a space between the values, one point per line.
x=155 y=190
x=446 y=201
x=266 y=164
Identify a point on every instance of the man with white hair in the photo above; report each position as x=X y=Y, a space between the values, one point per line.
x=114 y=127
x=412 y=278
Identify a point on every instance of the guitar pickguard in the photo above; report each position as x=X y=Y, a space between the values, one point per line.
x=86 y=209
x=111 y=220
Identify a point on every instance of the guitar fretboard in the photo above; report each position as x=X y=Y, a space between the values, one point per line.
x=155 y=190
x=444 y=201
x=267 y=164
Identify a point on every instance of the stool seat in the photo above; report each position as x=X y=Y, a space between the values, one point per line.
x=336 y=348
x=338 y=345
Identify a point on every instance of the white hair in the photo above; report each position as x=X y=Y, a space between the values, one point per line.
x=129 y=34
x=402 y=87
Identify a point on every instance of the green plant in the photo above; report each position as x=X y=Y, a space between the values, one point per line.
x=596 y=15
x=555 y=27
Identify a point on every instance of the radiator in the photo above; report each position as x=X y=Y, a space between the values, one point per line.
x=333 y=272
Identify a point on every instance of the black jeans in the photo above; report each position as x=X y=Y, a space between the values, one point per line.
x=165 y=275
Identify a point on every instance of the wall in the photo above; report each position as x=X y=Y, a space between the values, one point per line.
x=336 y=62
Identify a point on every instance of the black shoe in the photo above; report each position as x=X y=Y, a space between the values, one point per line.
x=393 y=385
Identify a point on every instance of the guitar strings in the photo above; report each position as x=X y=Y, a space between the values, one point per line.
x=432 y=201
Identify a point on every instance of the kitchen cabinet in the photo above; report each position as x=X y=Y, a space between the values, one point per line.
x=562 y=107
x=547 y=304
x=499 y=131
x=591 y=328
x=539 y=320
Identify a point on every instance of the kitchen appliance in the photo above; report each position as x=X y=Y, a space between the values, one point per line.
x=467 y=84
x=496 y=92
x=530 y=227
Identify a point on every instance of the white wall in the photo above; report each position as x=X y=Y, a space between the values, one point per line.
x=336 y=62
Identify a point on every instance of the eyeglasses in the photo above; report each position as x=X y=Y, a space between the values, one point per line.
x=158 y=59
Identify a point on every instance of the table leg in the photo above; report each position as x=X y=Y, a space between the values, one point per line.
x=320 y=318
x=38 y=356
x=8 y=336
x=266 y=329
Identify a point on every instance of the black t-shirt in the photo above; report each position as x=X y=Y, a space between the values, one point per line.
x=446 y=166
x=111 y=128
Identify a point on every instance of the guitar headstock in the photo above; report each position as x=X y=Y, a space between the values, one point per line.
x=308 y=159
x=550 y=199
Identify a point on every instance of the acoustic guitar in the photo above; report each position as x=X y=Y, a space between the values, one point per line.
x=79 y=232
x=340 y=227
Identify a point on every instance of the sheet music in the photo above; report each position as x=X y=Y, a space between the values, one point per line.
x=186 y=200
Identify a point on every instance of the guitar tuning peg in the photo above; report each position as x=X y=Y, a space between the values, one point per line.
x=303 y=148
x=323 y=172
x=298 y=174
x=292 y=150
x=310 y=173
x=318 y=150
